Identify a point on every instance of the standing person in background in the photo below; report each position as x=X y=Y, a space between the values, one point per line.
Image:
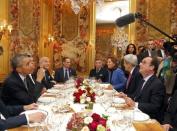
x=131 y=49
x=116 y=75
x=62 y=74
x=99 y=72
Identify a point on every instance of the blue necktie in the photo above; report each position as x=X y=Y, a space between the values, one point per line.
x=66 y=75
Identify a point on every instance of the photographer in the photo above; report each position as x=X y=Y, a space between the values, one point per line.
x=170 y=120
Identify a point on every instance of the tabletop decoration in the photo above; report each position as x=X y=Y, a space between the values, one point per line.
x=84 y=93
x=88 y=122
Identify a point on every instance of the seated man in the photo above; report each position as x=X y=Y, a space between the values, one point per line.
x=47 y=81
x=130 y=64
x=13 y=119
x=150 y=93
x=63 y=73
x=100 y=73
x=18 y=88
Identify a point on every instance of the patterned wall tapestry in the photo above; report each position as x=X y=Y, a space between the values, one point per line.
x=25 y=19
x=71 y=35
x=141 y=30
x=174 y=17
x=103 y=41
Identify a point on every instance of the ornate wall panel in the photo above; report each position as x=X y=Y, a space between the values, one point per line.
x=173 y=16
x=103 y=41
x=25 y=20
x=159 y=15
x=72 y=35
x=141 y=30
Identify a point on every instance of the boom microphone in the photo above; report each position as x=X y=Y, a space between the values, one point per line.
x=125 y=20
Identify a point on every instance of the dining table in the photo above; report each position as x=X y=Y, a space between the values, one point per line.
x=59 y=104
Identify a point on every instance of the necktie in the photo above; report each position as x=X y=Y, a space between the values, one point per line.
x=128 y=81
x=140 y=88
x=66 y=75
x=25 y=83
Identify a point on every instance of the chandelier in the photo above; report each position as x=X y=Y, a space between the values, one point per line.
x=119 y=39
x=77 y=4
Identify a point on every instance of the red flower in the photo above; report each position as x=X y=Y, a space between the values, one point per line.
x=96 y=117
x=92 y=126
x=102 y=122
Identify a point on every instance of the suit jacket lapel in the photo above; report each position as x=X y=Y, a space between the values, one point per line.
x=20 y=81
x=147 y=84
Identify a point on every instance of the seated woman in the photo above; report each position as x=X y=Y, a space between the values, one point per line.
x=116 y=75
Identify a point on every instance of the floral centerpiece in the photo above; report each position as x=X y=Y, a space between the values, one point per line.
x=84 y=92
x=94 y=122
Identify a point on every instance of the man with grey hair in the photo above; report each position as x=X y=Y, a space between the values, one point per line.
x=17 y=88
x=48 y=80
x=130 y=63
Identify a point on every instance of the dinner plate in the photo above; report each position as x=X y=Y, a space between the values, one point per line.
x=139 y=116
x=53 y=91
x=119 y=100
x=46 y=99
x=105 y=85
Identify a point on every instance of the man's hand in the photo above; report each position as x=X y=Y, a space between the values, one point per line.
x=121 y=95
x=36 y=117
x=32 y=106
x=40 y=74
x=129 y=101
x=167 y=127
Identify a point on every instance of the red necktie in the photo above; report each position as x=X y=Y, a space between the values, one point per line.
x=128 y=81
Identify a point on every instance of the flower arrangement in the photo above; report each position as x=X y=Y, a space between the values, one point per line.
x=84 y=93
x=94 y=122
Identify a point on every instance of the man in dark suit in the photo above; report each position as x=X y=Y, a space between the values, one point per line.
x=18 y=88
x=100 y=73
x=48 y=80
x=13 y=119
x=170 y=121
x=130 y=63
x=150 y=51
x=63 y=73
x=150 y=94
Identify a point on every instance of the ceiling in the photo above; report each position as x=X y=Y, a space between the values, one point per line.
x=110 y=11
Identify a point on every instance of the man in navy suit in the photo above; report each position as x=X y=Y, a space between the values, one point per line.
x=18 y=88
x=63 y=73
x=150 y=93
x=130 y=64
x=13 y=119
x=99 y=72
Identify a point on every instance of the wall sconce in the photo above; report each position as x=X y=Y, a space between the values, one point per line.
x=4 y=27
x=50 y=39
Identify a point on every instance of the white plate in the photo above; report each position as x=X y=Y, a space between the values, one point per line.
x=46 y=99
x=105 y=85
x=53 y=91
x=139 y=116
x=119 y=100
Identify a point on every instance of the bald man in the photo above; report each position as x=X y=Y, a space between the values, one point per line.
x=47 y=81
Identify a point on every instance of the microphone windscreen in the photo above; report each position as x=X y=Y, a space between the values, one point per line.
x=125 y=20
